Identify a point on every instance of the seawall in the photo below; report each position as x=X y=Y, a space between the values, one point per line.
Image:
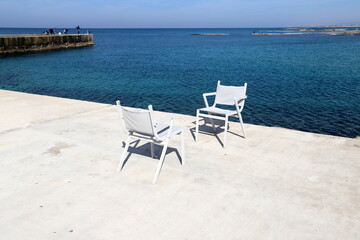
x=18 y=44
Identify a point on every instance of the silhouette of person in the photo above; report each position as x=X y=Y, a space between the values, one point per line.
x=78 y=29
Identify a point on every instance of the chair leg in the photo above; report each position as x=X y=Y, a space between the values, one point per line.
x=152 y=150
x=182 y=148
x=157 y=173
x=225 y=130
x=197 y=125
x=123 y=155
x=212 y=123
x=242 y=125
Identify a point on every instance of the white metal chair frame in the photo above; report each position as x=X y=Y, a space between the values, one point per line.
x=159 y=134
x=231 y=96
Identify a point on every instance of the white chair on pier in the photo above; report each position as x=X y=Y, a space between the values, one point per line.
x=224 y=95
x=139 y=124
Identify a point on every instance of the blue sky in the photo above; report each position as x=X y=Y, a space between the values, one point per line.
x=177 y=13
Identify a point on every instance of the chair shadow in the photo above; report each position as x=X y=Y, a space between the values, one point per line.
x=207 y=129
x=221 y=123
x=145 y=150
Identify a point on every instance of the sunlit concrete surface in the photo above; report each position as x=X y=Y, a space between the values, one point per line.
x=58 y=161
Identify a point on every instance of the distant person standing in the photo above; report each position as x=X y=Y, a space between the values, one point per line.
x=78 y=29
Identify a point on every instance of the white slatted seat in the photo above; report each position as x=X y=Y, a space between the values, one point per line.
x=164 y=130
x=224 y=95
x=139 y=124
x=217 y=110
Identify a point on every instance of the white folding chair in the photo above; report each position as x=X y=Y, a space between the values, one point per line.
x=224 y=95
x=139 y=124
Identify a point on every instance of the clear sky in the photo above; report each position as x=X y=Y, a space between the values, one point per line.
x=177 y=13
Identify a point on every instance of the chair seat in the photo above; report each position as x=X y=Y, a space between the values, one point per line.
x=164 y=129
x=217 y=110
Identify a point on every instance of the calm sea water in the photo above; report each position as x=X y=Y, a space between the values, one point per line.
x=309 y=83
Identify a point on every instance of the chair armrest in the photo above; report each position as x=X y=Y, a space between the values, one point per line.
x=205 y=95
x=238 y=100
x=209 y=94
x=239 y=104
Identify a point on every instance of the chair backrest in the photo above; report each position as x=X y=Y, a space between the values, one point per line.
x=137 y=120
x=225 y=94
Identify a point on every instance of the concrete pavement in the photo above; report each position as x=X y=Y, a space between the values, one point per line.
x=58 y=161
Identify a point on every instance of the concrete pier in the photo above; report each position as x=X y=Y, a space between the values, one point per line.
x=18 y=44
x=58 y=180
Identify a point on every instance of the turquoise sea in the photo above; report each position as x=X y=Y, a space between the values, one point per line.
x=306 y=82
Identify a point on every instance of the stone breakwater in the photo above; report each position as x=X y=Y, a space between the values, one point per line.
x=18 y=44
